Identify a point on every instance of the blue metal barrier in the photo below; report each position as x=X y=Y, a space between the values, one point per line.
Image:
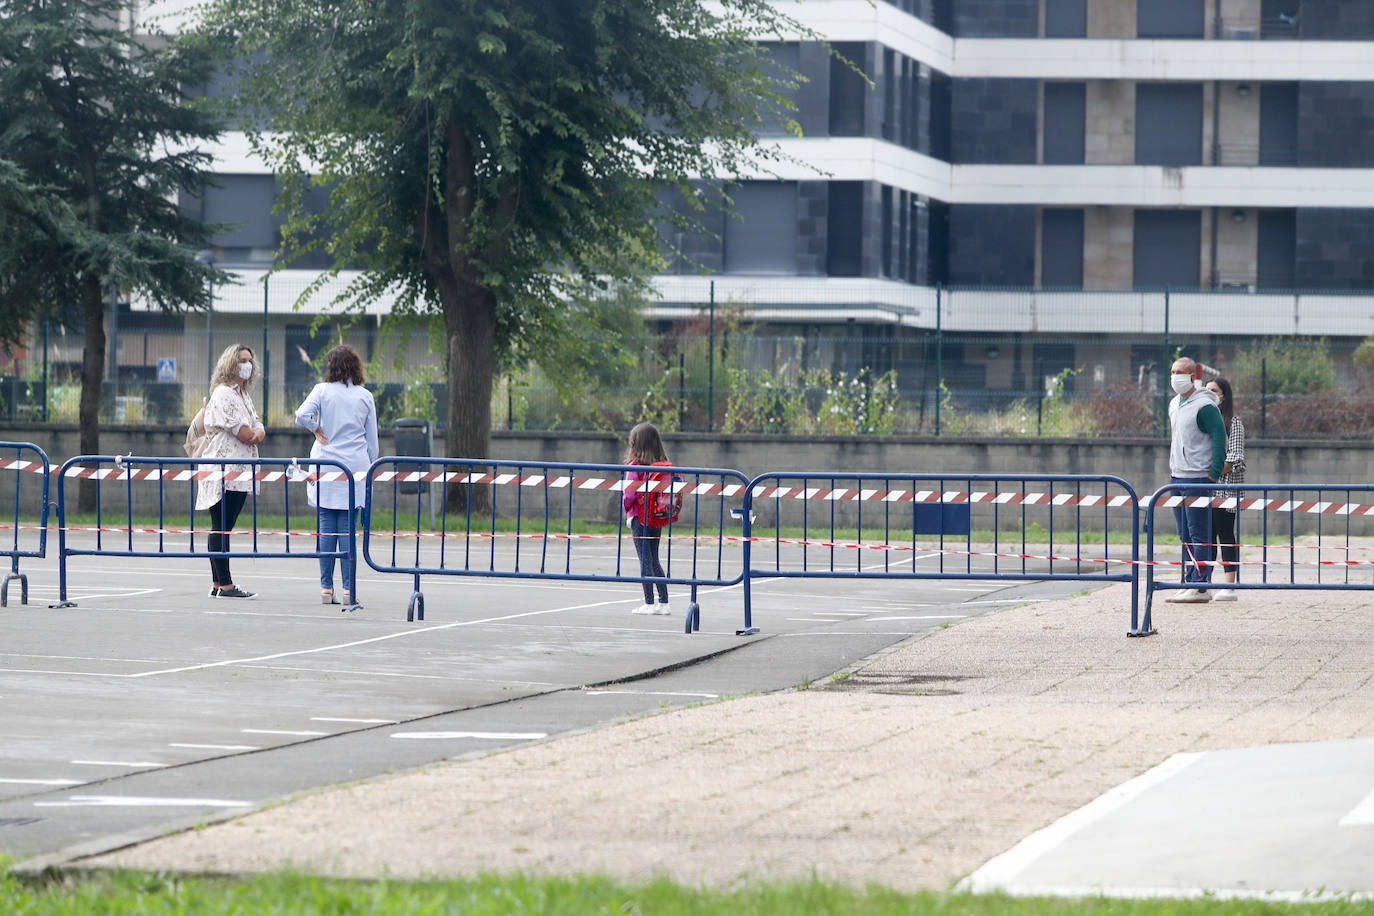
x=807 y=520
x=168 y=490
x=1272 y=513
x=29 y=464
x=540 y=502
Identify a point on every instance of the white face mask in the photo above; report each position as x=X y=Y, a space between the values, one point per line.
x=245 y=371
x=1182 y=384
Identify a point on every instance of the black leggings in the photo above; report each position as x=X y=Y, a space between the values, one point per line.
x=1224 y=535
x=646 y=545
x=231 y=504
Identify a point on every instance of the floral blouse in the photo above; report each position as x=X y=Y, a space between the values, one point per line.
x=228 y=410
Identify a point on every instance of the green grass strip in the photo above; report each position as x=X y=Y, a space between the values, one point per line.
x=157 y=893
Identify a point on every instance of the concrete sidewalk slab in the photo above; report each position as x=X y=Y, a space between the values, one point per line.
x=912 y=771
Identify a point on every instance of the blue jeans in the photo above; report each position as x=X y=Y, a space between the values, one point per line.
x=335 y=524
x=1195 y=534
x=646 y=541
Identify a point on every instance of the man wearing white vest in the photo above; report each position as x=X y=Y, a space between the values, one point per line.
x=1197 y=452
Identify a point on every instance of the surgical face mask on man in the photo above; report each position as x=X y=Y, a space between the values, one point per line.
x=245 y=371
x=1182 y=383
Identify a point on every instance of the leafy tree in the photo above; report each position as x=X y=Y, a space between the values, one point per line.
x=497 y=161
x=96 y=139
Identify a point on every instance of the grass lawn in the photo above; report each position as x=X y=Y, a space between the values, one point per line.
x=155 y=893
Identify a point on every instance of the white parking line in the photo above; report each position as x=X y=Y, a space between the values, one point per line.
x=117 y=763
x=491 y=736
x=924 y=617
x=274 y=731
x=215 y=747
x=998 y=872
x=136 y=801
x=650 y=693
x=41 y=782
x=1362 y=815
x=355 y=721
x=418 y=631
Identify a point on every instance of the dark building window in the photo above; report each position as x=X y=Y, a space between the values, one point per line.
x=941 y=102
x=1278 y=124
x=1277 y=251
x=1065 y=123
x=1168 y=249
x=1066 y=18
x=848 y=90
x=1168 y=124
x=1169 y=19
x=244 y=202
x=763 y=239
x=844 y=229
x=1061 y=249
x=1279 y=19
x=889 y=217
x=782 y=63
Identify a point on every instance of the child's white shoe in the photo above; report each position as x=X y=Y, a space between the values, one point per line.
x=662 y=609
x=644 y=609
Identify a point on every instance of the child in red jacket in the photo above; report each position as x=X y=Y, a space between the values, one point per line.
x=646 y=447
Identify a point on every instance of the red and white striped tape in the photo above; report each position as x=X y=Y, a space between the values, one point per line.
x=822 y=494
x=738 y=539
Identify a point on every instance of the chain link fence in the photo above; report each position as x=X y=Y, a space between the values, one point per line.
x=821 y=357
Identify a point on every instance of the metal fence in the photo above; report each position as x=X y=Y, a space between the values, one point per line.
x=24 y=468
x=1288 y=536
x=778 y=355
x=1017 y=527
x=128 y=490
x=528 y=520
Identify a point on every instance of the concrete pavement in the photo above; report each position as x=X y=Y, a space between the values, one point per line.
x=912 y=769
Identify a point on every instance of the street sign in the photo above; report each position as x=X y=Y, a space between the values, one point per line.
x=166 y=370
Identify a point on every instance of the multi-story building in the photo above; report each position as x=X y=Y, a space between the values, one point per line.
x=1113 y=147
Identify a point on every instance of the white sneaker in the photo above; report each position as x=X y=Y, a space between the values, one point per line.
x=644 y=609
x=1226 y=594
x=662 y=609
x=1190 y=596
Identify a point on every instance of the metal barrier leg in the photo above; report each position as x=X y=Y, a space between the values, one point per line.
x=417 y=603
x=23 y=588
x=748 y=629
x=61 y=552
x=693 y=621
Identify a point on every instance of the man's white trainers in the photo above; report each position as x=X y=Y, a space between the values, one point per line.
x=1190 y=596
x=1226 y=594
x=662 y=609
x=644 y=609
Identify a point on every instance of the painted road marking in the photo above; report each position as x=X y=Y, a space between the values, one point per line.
x=356 y=721
x=215 y=747
x=42 y=782
x=924 y=617
x=1362 y=815
x=650 y=693
x=491 y=736
x=274 y=731
x=423 y=631
x=998 y=873
x=137 y=801
x=116 y=763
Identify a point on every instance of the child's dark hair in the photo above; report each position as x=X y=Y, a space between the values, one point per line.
x=646 y=446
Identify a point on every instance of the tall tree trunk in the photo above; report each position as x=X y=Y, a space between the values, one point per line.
x=92 y=377
x=470 y=335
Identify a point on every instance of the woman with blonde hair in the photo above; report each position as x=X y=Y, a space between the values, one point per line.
x=343 y=417
x=232 y=430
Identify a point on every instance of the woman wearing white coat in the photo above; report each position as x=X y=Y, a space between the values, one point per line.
x=343 y=417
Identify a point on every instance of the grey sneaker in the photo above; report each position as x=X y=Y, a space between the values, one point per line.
x=235 y=592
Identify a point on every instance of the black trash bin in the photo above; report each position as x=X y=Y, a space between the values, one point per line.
x=414 y=439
